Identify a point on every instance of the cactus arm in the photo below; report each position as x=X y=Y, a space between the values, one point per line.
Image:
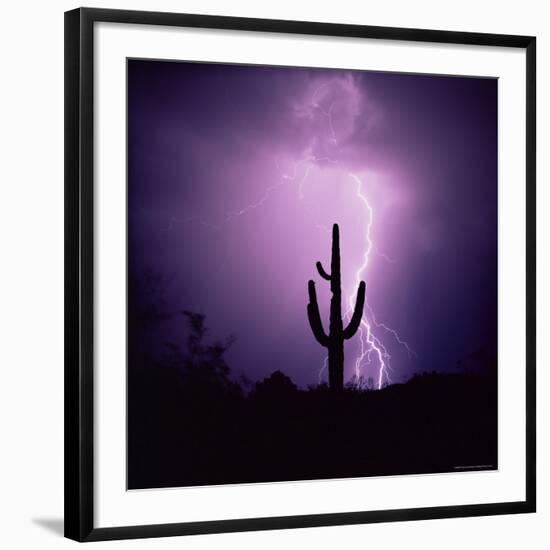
x=316 y=326
x=355 y=321
x=322 y=272
x=314 y=317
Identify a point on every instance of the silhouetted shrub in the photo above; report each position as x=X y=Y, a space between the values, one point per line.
x=276 y=386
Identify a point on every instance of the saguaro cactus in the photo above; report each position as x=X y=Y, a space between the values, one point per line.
x=334 y=340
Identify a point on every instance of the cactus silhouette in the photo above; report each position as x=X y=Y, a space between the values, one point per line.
x=334 y=340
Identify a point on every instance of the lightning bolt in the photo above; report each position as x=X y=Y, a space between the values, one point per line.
x=370 y=344
x=371 y=348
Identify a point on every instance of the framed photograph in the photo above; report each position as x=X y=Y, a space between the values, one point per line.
x=300 y=274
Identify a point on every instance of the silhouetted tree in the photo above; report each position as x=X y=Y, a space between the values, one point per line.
x=204 y=365
x=334 y=340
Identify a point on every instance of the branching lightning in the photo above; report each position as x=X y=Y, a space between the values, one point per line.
x=370 y=344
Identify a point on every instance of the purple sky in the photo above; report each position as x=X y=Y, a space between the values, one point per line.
x=236 y=174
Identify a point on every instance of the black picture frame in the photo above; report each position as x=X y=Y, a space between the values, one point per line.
x=79 y=269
